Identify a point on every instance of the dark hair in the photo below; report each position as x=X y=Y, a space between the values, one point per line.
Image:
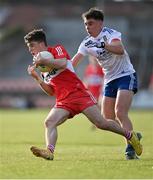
x=35 y=35
x=94 y=13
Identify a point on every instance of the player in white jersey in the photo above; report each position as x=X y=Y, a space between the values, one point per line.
x=120 y=81
x=71 y=95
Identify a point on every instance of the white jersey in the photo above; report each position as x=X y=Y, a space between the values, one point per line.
x=114 y=66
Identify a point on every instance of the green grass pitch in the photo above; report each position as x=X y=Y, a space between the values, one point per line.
x=81 y=153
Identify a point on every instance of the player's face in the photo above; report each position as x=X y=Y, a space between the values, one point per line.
x=93 y=27
x=35 y=47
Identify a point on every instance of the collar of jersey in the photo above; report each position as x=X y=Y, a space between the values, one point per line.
x=99 y=35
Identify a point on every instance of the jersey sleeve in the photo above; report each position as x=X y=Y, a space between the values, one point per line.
x=114 y=35
x=60 y=52
x=82 y=49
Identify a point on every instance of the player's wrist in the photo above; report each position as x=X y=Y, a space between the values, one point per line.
x=39 y=81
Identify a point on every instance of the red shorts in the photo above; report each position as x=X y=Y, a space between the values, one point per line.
x=76 y=102
x=95 y=90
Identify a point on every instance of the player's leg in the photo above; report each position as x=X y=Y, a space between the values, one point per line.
x=98 y=98
x=56 y=117
x=109 y=100
x=94 y=115
x=101 y=101
x=108 y=107
x=126 y=86
x=122 y=106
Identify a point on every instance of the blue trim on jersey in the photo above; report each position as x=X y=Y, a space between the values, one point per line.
x=126 y=82
x=108 y=30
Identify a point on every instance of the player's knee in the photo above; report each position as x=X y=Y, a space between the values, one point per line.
x=48 y=123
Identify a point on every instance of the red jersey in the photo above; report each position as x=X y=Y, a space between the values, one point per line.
x=58 y=52
x=94 y=76
x=70 y=92
x=63 y=81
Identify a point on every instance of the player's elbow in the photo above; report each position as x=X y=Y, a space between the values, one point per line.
x=120 y=50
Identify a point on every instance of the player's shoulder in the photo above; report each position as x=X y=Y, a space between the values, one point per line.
x=59 y=51
x=109 y=31
x=57 y=47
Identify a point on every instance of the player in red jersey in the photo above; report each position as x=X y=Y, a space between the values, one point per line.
x=71 y=95
x=93 y=78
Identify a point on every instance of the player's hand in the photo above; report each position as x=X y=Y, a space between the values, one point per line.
x=37 y=60
x=31 y=71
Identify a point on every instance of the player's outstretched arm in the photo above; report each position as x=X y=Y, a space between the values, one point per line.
x=77 y=59
x=45 y=87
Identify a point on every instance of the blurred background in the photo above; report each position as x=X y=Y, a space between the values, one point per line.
x=62 y=23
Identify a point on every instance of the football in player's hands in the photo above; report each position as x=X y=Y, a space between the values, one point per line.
x=43 y=55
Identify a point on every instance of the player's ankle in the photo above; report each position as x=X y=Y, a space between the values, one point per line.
x=128 y=134
x=51 y=148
